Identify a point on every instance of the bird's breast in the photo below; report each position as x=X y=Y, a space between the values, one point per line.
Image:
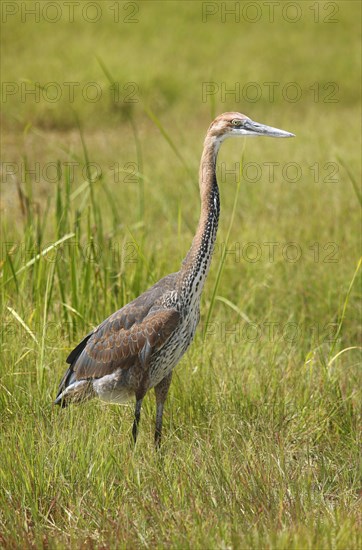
x=165 y=359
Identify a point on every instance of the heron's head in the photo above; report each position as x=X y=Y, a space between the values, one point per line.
x=236 y=124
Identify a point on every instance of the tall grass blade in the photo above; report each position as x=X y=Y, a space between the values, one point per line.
x=43 y=253
x=140 y=180
x=342 y=352
x=47 y=297
x=233 y=307
x=151 y=115
x=11 y=265
x=23 y=324
x=355 y=185
x=345 y=304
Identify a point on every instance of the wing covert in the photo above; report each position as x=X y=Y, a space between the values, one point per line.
x=110 y=347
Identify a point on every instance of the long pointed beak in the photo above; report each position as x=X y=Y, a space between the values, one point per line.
x=263 y=130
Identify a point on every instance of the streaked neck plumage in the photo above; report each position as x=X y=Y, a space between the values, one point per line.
x=196 y=265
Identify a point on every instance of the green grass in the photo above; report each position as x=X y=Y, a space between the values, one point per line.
x=261 y=443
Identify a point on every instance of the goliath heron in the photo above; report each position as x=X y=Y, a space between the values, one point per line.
x=138 y=346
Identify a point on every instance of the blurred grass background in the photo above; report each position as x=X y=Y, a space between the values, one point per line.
x=262 y=428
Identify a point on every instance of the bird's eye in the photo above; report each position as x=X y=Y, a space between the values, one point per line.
x=236 y=122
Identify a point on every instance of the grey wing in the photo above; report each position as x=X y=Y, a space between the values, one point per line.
x=123 y=337
x=123 y=348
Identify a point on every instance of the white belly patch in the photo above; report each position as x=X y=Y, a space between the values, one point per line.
x=108 y=389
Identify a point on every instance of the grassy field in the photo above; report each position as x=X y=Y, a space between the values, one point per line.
x=103 y=119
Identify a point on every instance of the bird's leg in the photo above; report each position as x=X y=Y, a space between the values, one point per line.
x=161 y=391
x=137 y=416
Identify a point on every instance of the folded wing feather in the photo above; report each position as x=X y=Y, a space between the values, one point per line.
x=109 y=349
x=130 y=333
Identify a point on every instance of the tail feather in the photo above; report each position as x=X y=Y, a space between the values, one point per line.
x=67 y=380
x=70 y=390
x=73 y=356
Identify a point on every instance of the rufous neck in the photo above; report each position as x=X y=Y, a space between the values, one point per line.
x=196 y=265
